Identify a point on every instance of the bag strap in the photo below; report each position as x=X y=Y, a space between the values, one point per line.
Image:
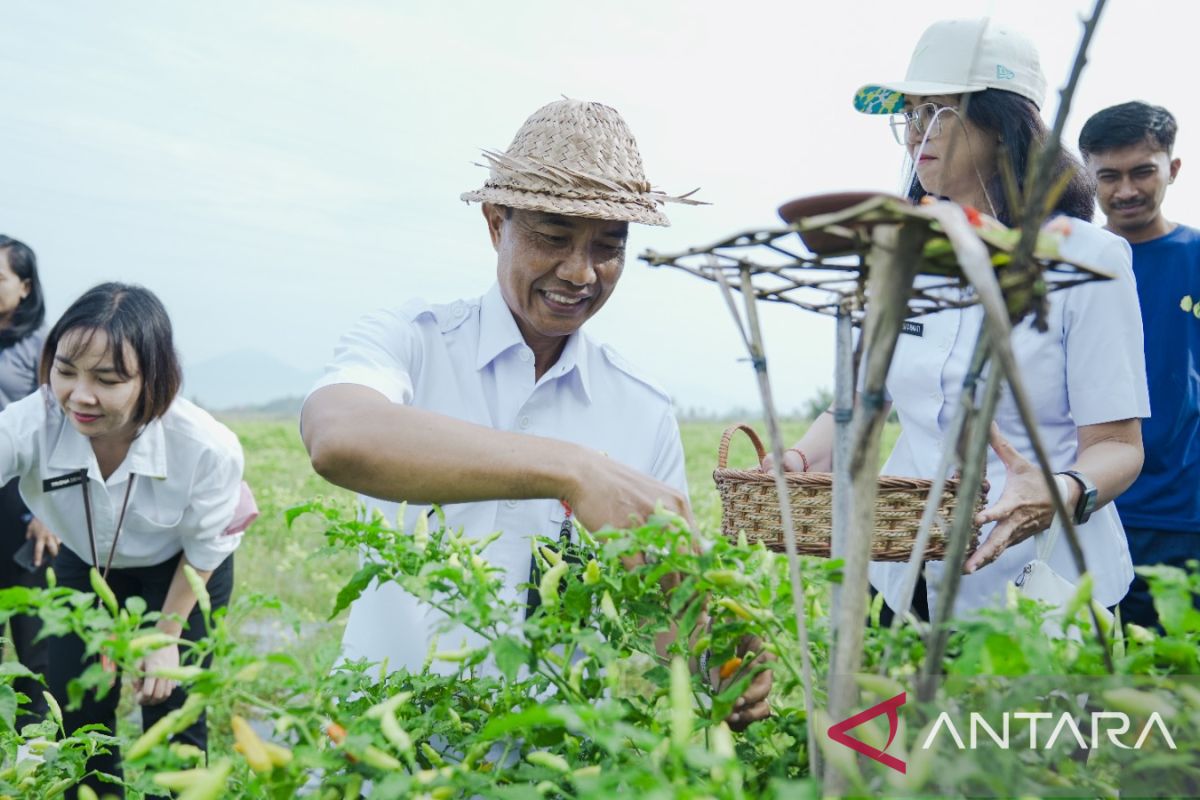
x=1045 y=541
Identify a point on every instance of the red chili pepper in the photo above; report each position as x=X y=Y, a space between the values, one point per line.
x=973 y=216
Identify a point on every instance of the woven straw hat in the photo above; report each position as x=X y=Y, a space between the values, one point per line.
x=574 y=158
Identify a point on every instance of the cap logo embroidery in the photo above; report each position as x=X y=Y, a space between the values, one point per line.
x=1003 y=73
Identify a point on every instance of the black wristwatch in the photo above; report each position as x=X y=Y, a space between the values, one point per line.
x=1087 y=499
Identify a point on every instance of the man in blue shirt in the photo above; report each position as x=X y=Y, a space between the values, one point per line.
x=1128 y=150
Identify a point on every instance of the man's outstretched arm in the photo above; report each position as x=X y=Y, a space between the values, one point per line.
x=360 y=440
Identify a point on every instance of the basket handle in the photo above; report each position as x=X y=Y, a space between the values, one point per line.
x=723 y=450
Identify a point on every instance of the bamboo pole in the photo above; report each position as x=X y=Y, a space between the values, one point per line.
x=843 y=412
x=894 y=259
x=753 y=339
x=978 y=425
x=949 y=455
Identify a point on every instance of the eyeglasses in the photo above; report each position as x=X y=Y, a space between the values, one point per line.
x=923 y=118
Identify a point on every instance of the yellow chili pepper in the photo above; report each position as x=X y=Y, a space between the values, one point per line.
x=251 y=746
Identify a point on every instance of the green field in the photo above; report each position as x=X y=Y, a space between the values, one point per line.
x=288 y=564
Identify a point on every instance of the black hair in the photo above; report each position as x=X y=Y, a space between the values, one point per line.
x=132 y=318
x=1128 y=124
x=1015 y=121
x=30 y=313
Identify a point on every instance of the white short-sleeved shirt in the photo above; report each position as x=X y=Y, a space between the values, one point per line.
x=467 y=360
x=1088 y=368
x=188 y=470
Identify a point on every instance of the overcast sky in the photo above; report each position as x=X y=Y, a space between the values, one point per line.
x=275 y=169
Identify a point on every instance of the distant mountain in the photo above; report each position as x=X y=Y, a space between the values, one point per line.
x=243 y=379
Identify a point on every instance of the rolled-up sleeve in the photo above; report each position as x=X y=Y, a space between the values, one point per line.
x=21 y=429
x=214 y=499
x=1106 y=363
x=669 y=466
x=382 y=352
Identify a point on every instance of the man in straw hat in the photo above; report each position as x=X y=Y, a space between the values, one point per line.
x=499 y=407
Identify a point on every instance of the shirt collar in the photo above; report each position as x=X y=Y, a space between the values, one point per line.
x=498 y=333
x=147 y=455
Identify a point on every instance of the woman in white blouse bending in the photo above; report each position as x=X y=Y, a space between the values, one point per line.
x=135 y=480
x=971 y=99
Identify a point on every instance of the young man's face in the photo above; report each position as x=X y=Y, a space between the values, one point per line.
x=555 y=271
x=1131 y=183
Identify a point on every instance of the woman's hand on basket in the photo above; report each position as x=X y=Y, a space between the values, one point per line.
x=1025 y=506
x=793 y=461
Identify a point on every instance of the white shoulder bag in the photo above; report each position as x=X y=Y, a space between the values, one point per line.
x=1039 y=581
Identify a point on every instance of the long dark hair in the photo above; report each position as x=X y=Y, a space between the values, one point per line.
x=31 y=312
x=127 y=315
x=1016 y=122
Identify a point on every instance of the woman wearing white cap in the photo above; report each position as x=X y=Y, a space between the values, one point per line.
x=971 y=100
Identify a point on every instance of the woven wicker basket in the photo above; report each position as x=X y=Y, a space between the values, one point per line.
x=750 y=502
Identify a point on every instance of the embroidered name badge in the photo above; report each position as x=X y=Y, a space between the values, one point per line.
x=912 y=328
x=64 y=481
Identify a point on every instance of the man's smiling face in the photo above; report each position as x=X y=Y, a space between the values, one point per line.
x=555 y=271
x=1131 y=183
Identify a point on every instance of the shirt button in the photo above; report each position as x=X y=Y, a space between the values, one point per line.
x=524 y=422
x=526 y=355
x=510 y=503
x=460 y=309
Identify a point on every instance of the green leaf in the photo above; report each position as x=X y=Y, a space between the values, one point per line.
x=8 y=707
x=290 y=515
x=354 y=589
x=510 y=655
x=522 y=721
x=136 y=605
x=17 y=670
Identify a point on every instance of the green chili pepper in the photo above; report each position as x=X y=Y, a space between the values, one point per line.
x=388 y=706
x=548 y=588
x=396 y=735
x=608 y=608
x=151 y=641
x=55 y=708
x=374 y=757
x=180 y=780
x=103 y=591
x=433 y=756
x=681 y=702
x=198 y=588
x=724 y=577
x=172 y=722
x=541 y=758
x=421 y=532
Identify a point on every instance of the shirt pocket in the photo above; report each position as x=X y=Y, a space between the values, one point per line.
x=154 y=522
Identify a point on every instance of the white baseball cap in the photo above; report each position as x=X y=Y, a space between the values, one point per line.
x=957 y=56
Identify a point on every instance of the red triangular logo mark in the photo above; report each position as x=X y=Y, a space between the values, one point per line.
x=837 y=732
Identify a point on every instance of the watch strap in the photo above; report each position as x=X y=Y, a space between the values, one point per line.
x=1087 y=497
